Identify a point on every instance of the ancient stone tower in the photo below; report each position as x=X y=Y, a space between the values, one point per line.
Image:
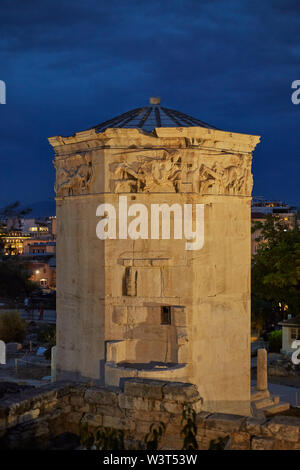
x=148 y=306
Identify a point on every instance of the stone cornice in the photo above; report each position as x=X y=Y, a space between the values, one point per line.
x=175 y=137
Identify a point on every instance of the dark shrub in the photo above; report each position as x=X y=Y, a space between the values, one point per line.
x=12 y=327
x=275 y=341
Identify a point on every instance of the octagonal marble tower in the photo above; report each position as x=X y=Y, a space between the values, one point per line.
x=148 y=307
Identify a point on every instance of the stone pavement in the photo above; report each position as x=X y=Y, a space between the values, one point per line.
x=49 y=316
x=286 y=394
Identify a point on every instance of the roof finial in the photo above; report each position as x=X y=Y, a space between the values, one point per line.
x=154 y=100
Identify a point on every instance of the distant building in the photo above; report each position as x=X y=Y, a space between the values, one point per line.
x=35 y=240
x=290 y=333
x=37 y=228
x=261 y=205
x=36 y=246
x=44 y=272
x=14 y=242
x=260 y=208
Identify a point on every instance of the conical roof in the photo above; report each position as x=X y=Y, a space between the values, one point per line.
x=151 y=116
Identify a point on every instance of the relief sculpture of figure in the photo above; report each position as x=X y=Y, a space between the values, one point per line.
x=127 y=179
x=235 y=178
x=212 y=179
x=238 y=178
x=74 y=180
x=162 y=175
x=152 y=175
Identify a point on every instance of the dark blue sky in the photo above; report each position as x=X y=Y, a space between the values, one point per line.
x=70 y=64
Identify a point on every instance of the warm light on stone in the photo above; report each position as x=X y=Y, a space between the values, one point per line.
x=154 y=100
x=262 y=370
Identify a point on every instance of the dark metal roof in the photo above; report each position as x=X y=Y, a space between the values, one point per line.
x=290 y=322
x=149 y=117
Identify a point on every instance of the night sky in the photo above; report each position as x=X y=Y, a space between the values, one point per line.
x=71 y=64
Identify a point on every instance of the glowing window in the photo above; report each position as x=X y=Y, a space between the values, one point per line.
x=295 y=333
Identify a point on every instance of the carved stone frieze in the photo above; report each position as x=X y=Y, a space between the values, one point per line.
x=231 y=177
x=73 y=177
x=170 y=173
x=149 y=174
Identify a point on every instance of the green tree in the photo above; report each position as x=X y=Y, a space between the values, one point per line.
x=276 y=269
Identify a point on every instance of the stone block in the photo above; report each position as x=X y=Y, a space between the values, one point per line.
x=201 y=418
x=50 y=404
x=253 y=425
x=180 y=317
x=119 y=315
x=142 y=428
x=101 y=396
x=109 y=410
x=197 y=406
x=180 y=392
x=92 y=420
x=138 y=403
x=283 y=427
x=64 y=388
x=37 y=404
x=28 y=416
x=175 y=419
x=118 y=423
x=224 y=422
x=54 y=415
x=286 y=445
x=153 y=416
x=44 y=394
x=262 y=443
x=126 y=402
x=173 y=407
x=240 y=441
x=211 y=434
x=144 y=388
